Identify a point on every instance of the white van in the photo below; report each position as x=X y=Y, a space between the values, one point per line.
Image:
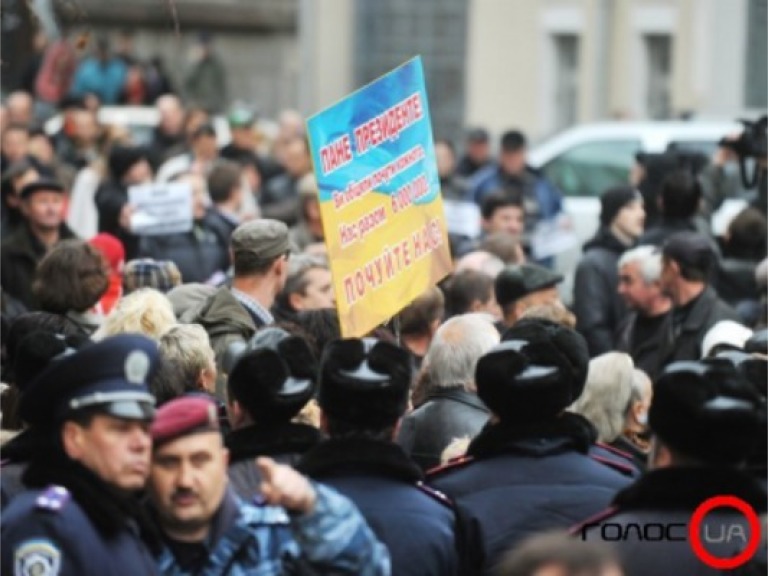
x=586 y=160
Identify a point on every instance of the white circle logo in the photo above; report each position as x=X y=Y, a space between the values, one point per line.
x=136 y=367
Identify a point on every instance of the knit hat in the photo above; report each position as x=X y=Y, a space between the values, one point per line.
x=113 y=250
x=613 y=200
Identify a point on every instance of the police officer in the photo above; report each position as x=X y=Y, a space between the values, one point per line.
x=268 y=386
x=705 y=418
x=528 y=470
x=363 y=394
x=94 y=408
x=207 y=529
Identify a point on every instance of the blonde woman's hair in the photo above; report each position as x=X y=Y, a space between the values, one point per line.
x=606 y=394
x=145 y=311
x=188 y=347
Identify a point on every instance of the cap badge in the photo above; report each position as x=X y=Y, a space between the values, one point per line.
x=136 y=367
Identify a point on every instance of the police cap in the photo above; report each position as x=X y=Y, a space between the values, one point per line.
x=109 y=376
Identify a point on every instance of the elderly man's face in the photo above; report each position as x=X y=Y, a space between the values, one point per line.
x=637 y=294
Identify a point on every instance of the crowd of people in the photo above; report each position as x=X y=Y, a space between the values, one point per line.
x=184 y=403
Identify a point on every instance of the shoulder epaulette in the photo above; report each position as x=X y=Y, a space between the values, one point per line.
x=53 y=498
x=435 y=494
x=594 y=519
x=615 y=450
x=452 y=464
x=625 y=469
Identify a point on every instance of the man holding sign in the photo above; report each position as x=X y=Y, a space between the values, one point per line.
x=380 y=201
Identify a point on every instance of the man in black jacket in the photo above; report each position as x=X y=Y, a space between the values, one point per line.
x=42 y=204
x=687 y=261
x=452 y=408
x=363 y=393
x=596 y=303
x=639 y=286
x=706 y=420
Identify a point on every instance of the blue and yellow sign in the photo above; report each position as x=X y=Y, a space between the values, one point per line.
x=380 y=200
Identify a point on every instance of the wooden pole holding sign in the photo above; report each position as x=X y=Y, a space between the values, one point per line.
x=380 y=201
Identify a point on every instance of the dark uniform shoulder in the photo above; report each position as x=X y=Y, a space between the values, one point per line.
x=452 y=464
x=53 y=499
x=614 y=459
x=435 y=494
x=33 y=525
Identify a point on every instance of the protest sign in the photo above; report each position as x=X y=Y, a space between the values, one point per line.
x=380 y=200
x=161 y=208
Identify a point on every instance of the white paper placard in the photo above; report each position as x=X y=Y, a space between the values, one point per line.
x=161 y=208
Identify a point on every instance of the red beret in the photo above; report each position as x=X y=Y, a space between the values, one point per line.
x=184 y=416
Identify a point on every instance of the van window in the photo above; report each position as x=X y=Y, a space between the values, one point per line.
x=589 y=169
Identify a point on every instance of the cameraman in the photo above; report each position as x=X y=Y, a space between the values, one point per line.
x=727 y=176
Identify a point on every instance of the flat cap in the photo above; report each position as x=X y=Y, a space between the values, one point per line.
x=184 y=416
x=265 y=239
x=110 y=375
x=162 y=275
x=365 y=382
x=519 y=280
x=691 y=250
x=41 y=186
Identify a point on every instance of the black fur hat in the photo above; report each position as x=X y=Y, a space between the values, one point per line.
x=707 y=410
x=365 y=382
x=275 y=378
x=550 y=342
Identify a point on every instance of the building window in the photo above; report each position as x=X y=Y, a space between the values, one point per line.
x=658 y=49
x=756 y=73
x=566 y=80
x=389 y=33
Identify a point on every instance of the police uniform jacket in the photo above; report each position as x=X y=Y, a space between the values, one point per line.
x=516 y=482
x=415 y=523
x=665 y=499
x=47 y=533
x=257 y=540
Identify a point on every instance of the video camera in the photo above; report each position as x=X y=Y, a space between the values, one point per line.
x=751 y=143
